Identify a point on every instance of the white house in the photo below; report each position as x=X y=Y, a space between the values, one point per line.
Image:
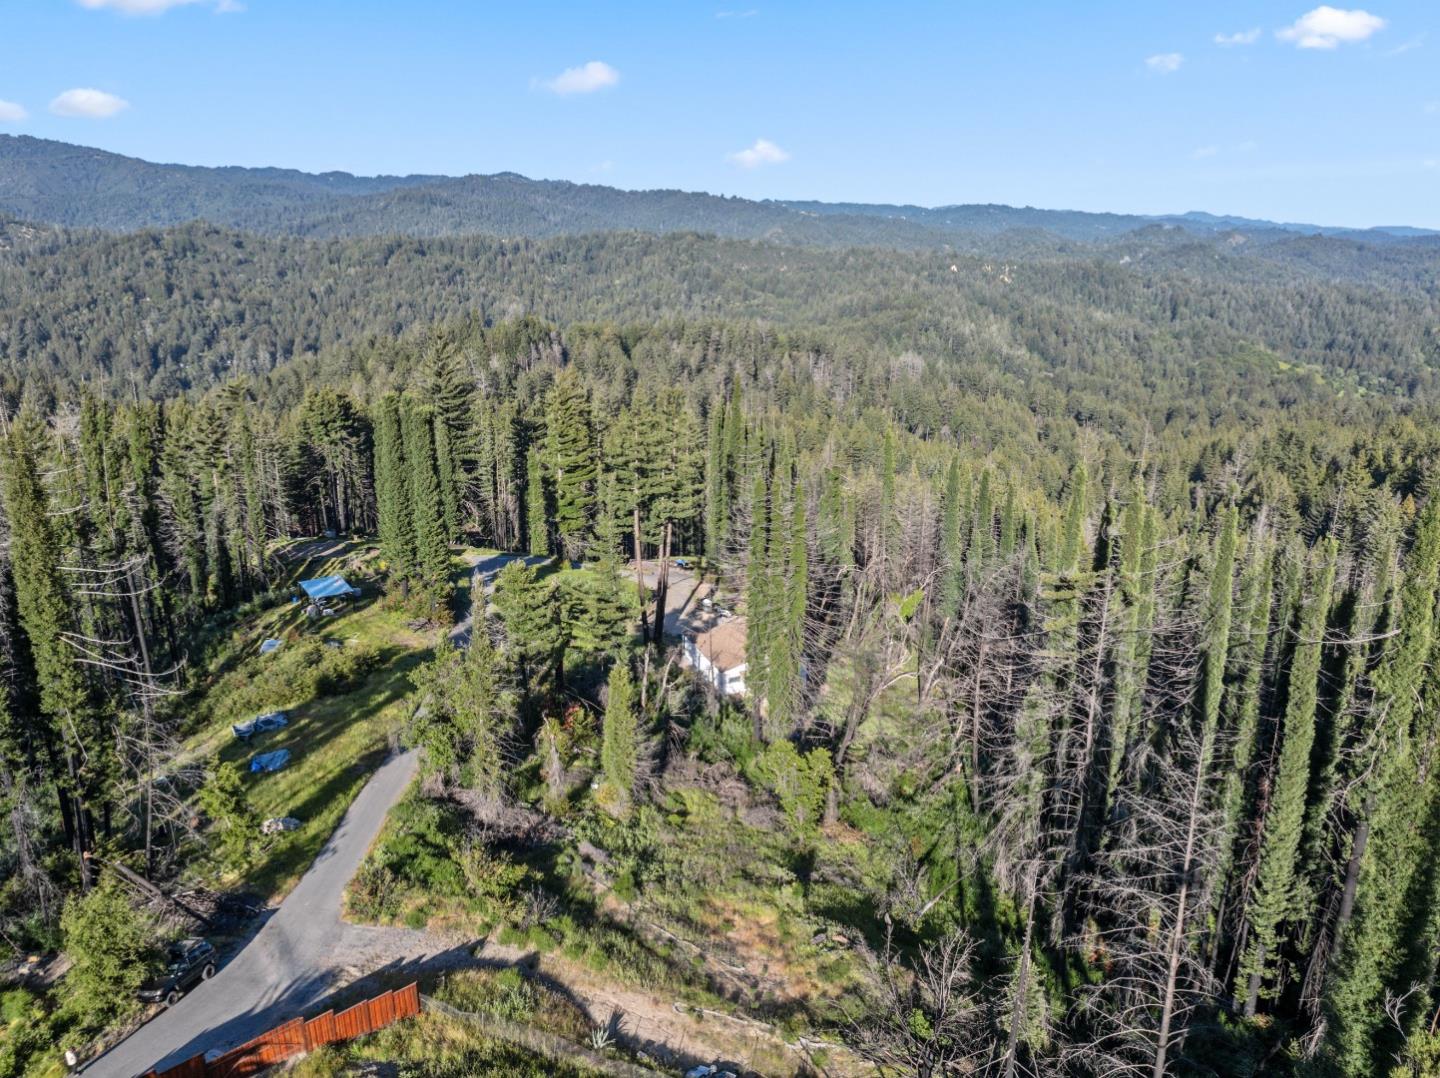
x=718 y=656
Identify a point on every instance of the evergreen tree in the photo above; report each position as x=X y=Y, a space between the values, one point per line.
x=392 y=496
x=570 y=460
x=234 y=821
x=1072 y=534
x=1274 y=895
x=889 y=514
x=432 y=550
x=717 y=508
x=1373 y=947
x=759 y=597
x=982 y=528
x=529 y=611
x=465 y=722
x=448 y=476
x=619 y=745
x=536 y=522
x=43 y=604
x=786 y=639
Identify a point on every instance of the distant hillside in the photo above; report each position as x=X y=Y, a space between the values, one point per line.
x=80 y=187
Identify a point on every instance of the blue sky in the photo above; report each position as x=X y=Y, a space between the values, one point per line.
x=1329 y=115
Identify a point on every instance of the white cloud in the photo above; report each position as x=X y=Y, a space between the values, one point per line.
x=1326 y=27
x=585 y=79
x=1205 y=151
x=1165 y=63
x=135 y=7
x=1431 y=162
x=763 y=152
x=11 y=113
x=94 y=104
x=1243 y=37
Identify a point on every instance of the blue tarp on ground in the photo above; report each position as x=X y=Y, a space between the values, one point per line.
x=270 y=645
x=270 y=761
x=262 y=724
x=328 y=587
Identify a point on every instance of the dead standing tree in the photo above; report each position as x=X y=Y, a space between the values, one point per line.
x=1153 y=878
x=146 y=740
x=923 y=1019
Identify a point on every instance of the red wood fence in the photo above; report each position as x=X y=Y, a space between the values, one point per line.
x=298 y=1036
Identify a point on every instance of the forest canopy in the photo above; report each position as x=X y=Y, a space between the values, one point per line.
x=1089 y=593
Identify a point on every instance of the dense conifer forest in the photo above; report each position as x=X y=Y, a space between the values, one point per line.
x=1090 y=592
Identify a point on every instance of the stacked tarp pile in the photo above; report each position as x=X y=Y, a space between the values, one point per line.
x=261 y=724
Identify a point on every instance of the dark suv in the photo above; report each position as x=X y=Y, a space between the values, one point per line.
x=187 y=963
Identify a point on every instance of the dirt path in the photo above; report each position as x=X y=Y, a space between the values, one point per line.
x=677 y=1036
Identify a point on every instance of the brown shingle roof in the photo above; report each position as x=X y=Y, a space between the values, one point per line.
x=724 y=645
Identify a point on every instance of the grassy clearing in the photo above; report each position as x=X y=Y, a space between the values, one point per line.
x=440 y=1046
x=344 y=682
x=693 y=901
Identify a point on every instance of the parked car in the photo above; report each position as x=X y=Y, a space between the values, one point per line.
x=187 y=963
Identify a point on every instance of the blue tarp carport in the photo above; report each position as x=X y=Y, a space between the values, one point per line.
x=328 y=587
x=270 y=761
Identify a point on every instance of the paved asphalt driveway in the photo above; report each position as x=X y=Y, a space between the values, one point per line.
x=303 y=950
x=291 y=963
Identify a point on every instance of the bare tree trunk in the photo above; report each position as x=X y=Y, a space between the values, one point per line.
x=640 y=576
x=1352 y=870
x=1177 y=935
x=974 y=782
x=662 y=582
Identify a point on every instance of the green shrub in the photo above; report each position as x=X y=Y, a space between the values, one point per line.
x=373 y=893
x=235 y=825
x=801 y=783
x=25 y=1044
x=17 y=1004
x=726 y=736
x=299 y=672
x=111 y=949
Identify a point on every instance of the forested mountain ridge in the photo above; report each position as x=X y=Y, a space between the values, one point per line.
x=1088 y=577
x=77 y=186
x=159 y=312
x=1023 y=631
